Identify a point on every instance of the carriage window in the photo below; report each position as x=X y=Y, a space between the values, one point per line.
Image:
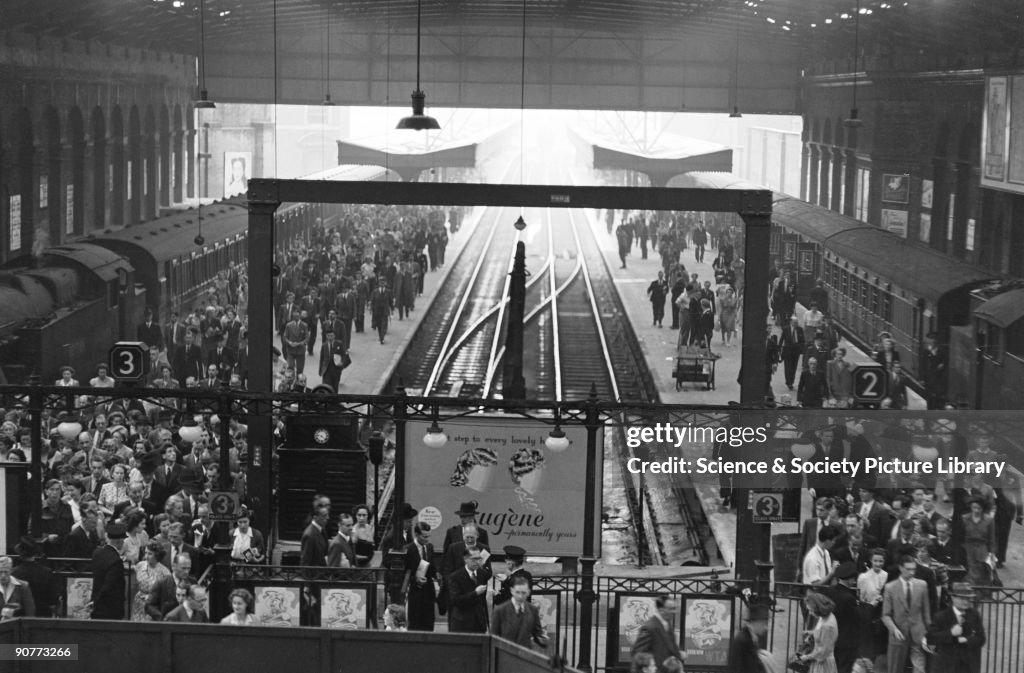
x=865 y=294
x=990 y=339
x=844 y=279
x=887 y=307
x=874 y=300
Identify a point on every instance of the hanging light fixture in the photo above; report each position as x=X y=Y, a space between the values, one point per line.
x=556 y=440
x=735 y=114
x=854 y=120
x=191 y=431
x=435 y=437
x=327 y=79
x=520 y=223
x=204 y=102
x=418 y=121
x=69 y=429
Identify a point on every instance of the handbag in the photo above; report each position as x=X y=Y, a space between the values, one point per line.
x=346 y=360
x=795 y=664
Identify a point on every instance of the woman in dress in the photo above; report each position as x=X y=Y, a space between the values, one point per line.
x=241 y=601
x=395 y=619
x=147 y=574
x=362 y=531
x=979 y=542
x=824 y=634
x=137 y=539
x=727 y=307
x=115 y=491
x=67 y=378
x=247 y=545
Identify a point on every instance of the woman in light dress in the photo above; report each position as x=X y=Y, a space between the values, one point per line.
x=147 y=574
x=137 y=539
x=114 y=492
x=824 y=634
x=241 y=601
x=727 y=307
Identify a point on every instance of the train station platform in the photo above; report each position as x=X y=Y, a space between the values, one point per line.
x=373 y=362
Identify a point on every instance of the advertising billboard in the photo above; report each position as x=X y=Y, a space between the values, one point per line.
x=526 y=495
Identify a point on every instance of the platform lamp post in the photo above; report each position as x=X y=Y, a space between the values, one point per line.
x=222 y=552
x=513 y=383
x=586 y=595
x=396 y=558
x=375 y=449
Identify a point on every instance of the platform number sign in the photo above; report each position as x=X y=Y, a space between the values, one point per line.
x=769 y=507
x=129 y=360
x=869 y=384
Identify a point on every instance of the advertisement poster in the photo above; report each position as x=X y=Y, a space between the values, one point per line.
x=895 y=221
x=525 y=494
x=896 y=188
x=237 y=167
x=79 y=593
x=995 y=130
x=548 y=605
x=630 y=612
x=277 y=606
x=344 y=608
x=707 y=632
x=927 y=193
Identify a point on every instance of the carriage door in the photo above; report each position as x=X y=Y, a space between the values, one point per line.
x=807 y=271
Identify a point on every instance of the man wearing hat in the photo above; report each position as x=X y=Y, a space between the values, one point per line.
x=847 y=614
x=957 y=634
x=467 y=515
x=744 y=651
x=108 y=585
x=514 y=559
x=408 y=517
x=40 y=579
x=136 y=501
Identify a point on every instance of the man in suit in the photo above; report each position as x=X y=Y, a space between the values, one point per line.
x=108 y=582
x=514 y=559
x=467 y=516
x=97 y=476
x=655 y=636
x=135 y=500
x=346 y=313
x=223 y=358
x=295 y=337
x=15 y=596
x=83 y=540
x=192 y=608
x=163 y=596
x=957 y=634
x=188 y=360
x=904 y=540
x=518 y=619
x=342 y=551
x=906 y=614
x=167 y=475
x=174 y=336
x=149 y=332
x=420 y=576
x=284 y=315
x=176 y=536
x=467 y=595
x=313 y=545
x=897 y=386
x=331 y=359
x=824 y=512
x=847 y=614
x=792 y=344
x=873 y=514
x=41 y=581
x=943 y=549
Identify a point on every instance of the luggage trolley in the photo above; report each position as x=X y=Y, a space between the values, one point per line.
x=696 y=364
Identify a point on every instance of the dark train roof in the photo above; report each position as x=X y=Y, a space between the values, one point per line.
x=100 y=261
x=925 y=272
x=811 y=221
x=1004 y=309
x=173 y=235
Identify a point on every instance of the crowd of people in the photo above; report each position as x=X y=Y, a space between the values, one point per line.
x=699 y=307
x=368 y=260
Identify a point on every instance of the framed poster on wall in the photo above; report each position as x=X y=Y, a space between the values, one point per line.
x=895 y=188
x=346 y=607
x=628 y=612
x=707 y=629
x=277 y=606
x=549 y=605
